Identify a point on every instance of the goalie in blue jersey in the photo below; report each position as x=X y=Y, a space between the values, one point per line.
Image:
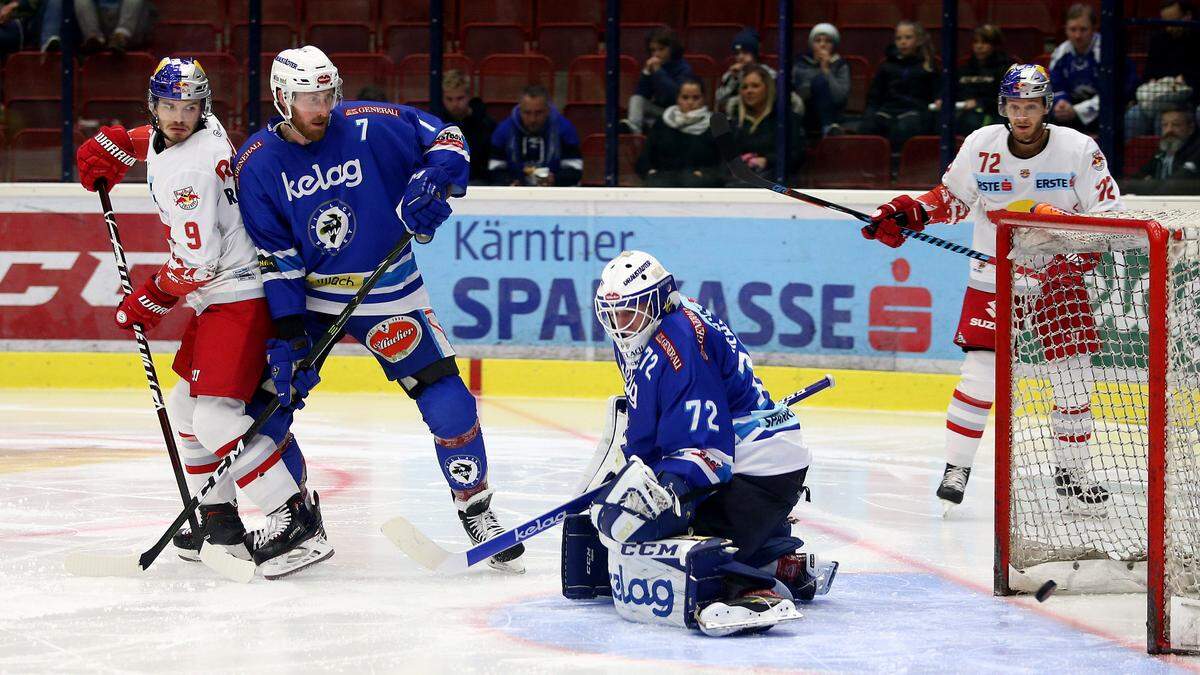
x=707 y=453
x=326 y=191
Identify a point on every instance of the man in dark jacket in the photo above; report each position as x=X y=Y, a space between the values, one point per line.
x=659 y=84
x=470 y=114
x=1175 y=168
x=535 y=145
x=1172 y=75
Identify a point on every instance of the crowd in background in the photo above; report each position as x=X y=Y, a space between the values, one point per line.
x=537 y=144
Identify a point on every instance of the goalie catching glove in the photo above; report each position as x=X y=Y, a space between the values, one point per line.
x=639 y=506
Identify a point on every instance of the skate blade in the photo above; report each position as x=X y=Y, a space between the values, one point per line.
x=188 y=554
x=721 y=620
x=947 y=507
x=85 y=564
x=1074 y=507
x=515 y=566
x=297 y=559
x=220 y=560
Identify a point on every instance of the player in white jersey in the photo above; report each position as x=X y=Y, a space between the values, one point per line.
x=1022 y=166
x=213 y=265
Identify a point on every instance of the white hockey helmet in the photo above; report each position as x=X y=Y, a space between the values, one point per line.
x=634 y=294
x=300 y=70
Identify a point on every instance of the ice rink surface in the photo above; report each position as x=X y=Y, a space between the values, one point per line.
x=86 y=470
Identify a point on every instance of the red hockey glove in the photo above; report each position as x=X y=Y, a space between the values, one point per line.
x=1066 y=271
x=903 y=211
x=107 y=155
x=146 y=306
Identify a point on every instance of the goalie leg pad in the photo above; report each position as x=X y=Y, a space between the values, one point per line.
x=449 y=411
x=666 y=581
x=584 y=560
x=609 y=456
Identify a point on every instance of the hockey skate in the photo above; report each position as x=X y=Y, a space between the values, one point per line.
x=953 y=486
x=220 y=525
x=480 y=522
x=1079 y=494
x=805 y=576
x=293 y=539
x=753 y=612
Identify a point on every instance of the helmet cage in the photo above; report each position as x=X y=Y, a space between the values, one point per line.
x=630 y=320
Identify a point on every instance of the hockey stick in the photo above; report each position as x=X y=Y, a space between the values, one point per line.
x=723 y=136
x=432 y=556
x=93 y=564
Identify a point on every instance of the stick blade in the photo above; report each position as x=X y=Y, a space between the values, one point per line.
x=221 y=561
x=421 y=548
x=718 y=126
x=85 y=564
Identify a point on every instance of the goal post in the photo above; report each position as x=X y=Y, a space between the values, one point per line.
x=1098 y=411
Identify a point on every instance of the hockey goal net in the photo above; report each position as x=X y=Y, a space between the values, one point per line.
x=1098 y=411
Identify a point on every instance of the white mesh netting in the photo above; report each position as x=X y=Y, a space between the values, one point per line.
x=1080 y=343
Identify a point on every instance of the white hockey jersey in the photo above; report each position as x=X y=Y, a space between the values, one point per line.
x=1070 y=173
x=212 y=259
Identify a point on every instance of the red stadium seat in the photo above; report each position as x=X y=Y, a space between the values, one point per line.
x=571 y=11
x=707 y=71
x=365 y=70
x=585 y=79
x=285 y=11
x=669 y=12
x=929 y=14
x=563 y=42
x=804 y=11
x=413 y=75
x=588 y=118
x=402 y=39
x=226 y=78
x=866 y=41
x=341 y=36
x=201 y=36
x=1024 y=42
x=769 y=38
x=408 y=11
x=343 y=10
x=965 y=37
x=633 y=36
x=276 y=37
x=629 y=147
x=107 y=75
x=519 y=12
x=1042 y=59
x=708 y=11
x=36 y=155
x=192 y=10
x=870 y=13
x=127 y=112
x=713 y=39
x=860 y=82
x=26 y=74
x=851 y=162
x=483 y=39
x=1005 y=13
x=920 y=162
x=502 y=77
x=1138 y=151
x=31 y=113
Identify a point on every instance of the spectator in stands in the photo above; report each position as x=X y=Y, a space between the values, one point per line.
x=679 y=151
x=535 y=145
x=1075 y=72
x=904 y=88
x=754 y=125
x=659 y=84
x=1175 y=168
x=1172 y=75
x=117 y=24
x=822 y=79
x=16 y=22
x=470 y=114
x=979 y=80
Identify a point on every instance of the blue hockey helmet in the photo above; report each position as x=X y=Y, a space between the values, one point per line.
x=179 y=79
x=1025 y=80
x=634 y=294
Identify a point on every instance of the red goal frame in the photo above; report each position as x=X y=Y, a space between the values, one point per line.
x=1157 y=641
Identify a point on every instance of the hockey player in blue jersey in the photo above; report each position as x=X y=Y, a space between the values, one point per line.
x=709 y=453
x=326 y=191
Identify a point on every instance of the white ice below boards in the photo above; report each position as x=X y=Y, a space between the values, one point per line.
x=86 y=470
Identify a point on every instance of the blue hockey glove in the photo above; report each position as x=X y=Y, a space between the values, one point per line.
x=291 y=382
x=424 y=206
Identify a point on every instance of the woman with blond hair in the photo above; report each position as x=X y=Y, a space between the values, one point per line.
x=753 y=121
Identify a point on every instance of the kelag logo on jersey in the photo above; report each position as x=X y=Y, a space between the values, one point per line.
x=331 y=226
x=1050 y=182
x=991 y=183
x=349 y=173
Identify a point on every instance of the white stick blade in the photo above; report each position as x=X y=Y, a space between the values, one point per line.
x=419 y=547
x=226 y=564
x=84 y=564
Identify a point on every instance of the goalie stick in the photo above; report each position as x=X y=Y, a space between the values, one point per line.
x=723 y=136
x=433 y=556
x=100 y=564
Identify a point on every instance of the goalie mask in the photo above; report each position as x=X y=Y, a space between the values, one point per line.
x=306 y=69
x=634 y=294
x=179 y=79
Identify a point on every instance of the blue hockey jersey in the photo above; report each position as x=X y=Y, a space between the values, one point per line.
x=697 y=410
x=324 y=215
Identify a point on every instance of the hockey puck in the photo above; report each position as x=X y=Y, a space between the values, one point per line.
x=1046 y=591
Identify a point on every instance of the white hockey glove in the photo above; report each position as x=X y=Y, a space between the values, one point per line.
x=633 y=505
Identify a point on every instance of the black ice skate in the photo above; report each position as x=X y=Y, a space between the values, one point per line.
x=753 y=612
x=294 y=538
x=221 y=525
x=953 y=486
x=480 y=523
x=1079 y=493
x=805 y=576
